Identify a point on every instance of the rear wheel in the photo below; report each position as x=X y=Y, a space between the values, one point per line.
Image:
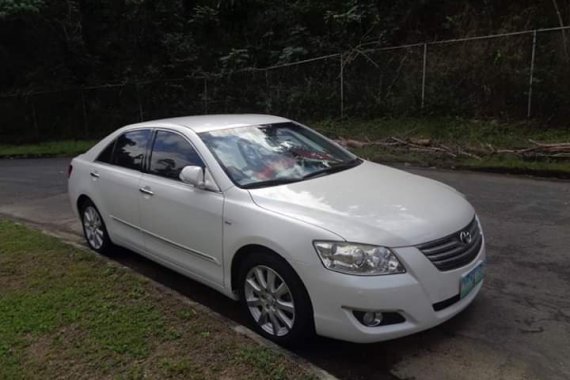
x=275 y=300
x=94 y=229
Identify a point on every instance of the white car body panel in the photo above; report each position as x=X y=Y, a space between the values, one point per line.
x=252 y=225
x=191 y=244
x=372 y=204
x=198 y=232
x=118 y=192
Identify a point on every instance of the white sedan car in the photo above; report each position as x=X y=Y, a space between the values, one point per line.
x=307 y=236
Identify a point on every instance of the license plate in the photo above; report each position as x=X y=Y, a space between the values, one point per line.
x=470 y=279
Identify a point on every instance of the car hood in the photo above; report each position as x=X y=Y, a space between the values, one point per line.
x=373 y=204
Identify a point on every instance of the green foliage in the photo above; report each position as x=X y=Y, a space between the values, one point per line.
x=47 y=45
x=116 y=40
x=59 y=43
x=235 y=59
x=47 y=149
x=292 y=53
x=356 y=13
x=204 y=15
x=19 y=7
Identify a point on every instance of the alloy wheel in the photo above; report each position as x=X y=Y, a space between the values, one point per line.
x=269 y=300
x=93 y=226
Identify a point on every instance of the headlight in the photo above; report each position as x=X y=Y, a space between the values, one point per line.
x=359 y=259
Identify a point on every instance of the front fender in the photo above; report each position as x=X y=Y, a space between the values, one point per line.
x=245 y=223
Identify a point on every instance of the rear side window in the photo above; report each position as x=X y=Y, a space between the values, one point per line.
x=170 y=153
x=106 y=154
x=130 y=149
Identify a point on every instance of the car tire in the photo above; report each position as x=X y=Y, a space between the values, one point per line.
x=274 y=299
x=94 y=229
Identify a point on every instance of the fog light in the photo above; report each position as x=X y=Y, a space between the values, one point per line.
x=378 y=318
x=372 y=318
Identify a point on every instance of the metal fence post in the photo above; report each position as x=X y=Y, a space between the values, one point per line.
x=268 y=95
x=424 y=75
x=531 y=76
x=341 y=87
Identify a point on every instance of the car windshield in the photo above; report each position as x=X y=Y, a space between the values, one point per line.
x=273 y=154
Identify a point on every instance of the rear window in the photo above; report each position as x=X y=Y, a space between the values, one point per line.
x=107 y=153
x=130 y=149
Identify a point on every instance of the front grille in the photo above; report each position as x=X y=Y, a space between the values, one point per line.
x=452 y=252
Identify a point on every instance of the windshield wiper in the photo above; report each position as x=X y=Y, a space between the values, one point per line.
x=282 y=181
x=334 y=169
x=271 y=182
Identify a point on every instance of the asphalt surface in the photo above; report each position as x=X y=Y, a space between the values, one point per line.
x=518 y=327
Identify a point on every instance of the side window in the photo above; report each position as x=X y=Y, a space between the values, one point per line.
x=170 y=153
x=105 y=155
x=130 y=149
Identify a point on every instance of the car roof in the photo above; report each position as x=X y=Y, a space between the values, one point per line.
x=205 y=123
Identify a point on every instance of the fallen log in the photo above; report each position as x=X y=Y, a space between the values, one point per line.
x=544 y=150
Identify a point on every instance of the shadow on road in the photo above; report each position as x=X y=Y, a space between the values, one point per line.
x=342 y=359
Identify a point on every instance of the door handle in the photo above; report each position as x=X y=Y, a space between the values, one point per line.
x=94 y=174
x=146 y=190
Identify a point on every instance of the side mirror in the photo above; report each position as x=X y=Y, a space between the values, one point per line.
x=198 y=177
x=193 y=175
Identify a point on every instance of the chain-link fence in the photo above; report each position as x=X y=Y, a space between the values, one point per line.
x=509 y=76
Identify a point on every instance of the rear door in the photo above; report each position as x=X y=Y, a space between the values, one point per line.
x=182 y=224
x=116 y=177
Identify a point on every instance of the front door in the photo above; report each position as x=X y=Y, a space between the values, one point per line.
x=182 y=224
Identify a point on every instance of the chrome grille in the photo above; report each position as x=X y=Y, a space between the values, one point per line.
x=452 y=251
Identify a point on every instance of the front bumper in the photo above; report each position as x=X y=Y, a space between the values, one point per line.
x=413 y=294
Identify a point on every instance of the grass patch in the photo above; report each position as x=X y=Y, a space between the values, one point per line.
x=448 y=131
x=65 y=148
x=68 y=313
x=262 y=359
x=460 y=131
x=455 y=132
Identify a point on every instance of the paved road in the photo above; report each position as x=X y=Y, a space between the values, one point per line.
x=519 y=327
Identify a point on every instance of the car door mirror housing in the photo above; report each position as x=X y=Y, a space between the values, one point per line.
x=198 y=177
x=193 y=175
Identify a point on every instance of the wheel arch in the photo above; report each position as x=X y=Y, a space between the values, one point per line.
x=241 y=254
x=254 y=249
x=84 y=198
x=81 y=200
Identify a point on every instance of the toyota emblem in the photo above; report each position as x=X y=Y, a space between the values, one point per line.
x=465 y=237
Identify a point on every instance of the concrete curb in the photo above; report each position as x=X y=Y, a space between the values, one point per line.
x=77 y=242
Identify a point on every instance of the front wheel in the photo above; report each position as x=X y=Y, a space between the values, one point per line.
x=94 y=229
x=275 y=300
